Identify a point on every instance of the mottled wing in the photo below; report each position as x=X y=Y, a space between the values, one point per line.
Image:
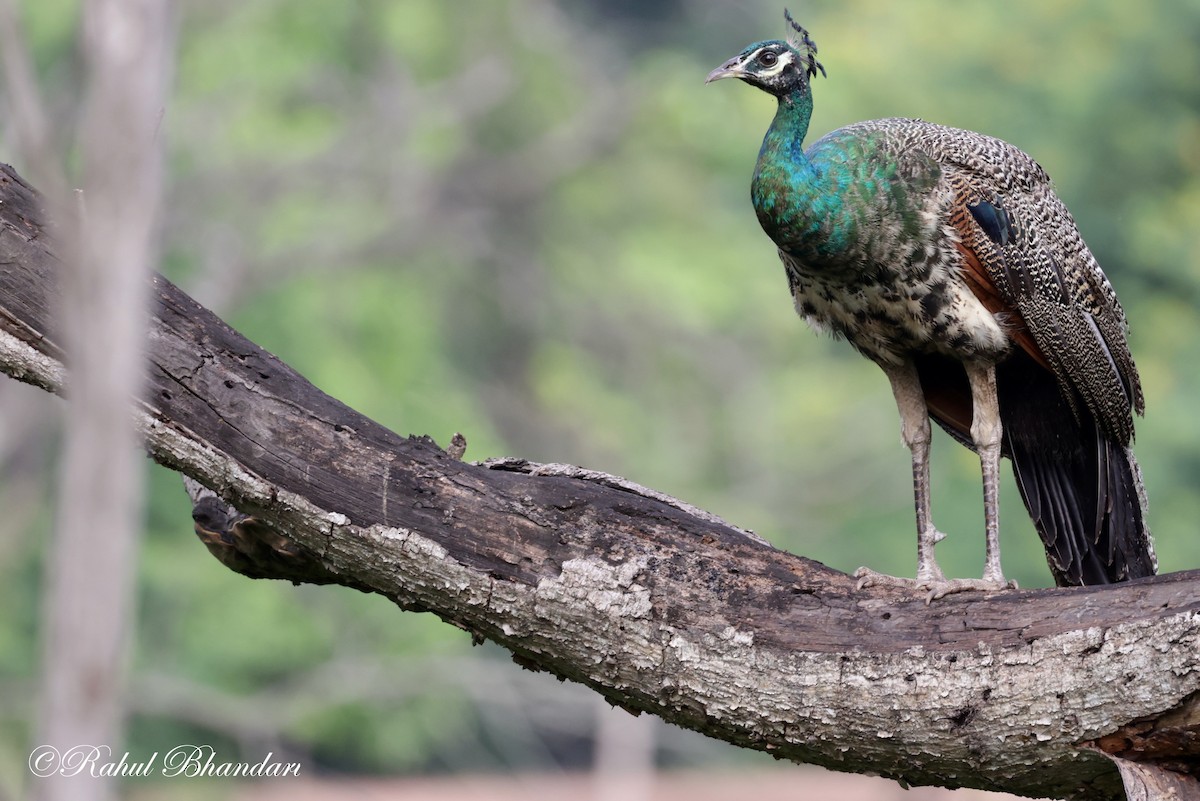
x=1067 y=400
x=1030 y=261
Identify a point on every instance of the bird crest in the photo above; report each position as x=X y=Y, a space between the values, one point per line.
x=799 y=39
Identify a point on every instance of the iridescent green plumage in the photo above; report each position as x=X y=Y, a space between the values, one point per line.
x=825 y=203
x=944 y=256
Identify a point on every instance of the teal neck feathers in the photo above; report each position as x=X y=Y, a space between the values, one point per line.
x=783 y=146
x=787 y=187
x=816 y=205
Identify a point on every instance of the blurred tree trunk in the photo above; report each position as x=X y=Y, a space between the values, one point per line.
x=624 y=763
x=110 y=237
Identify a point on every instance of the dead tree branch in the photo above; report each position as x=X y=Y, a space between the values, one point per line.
x=659 y=607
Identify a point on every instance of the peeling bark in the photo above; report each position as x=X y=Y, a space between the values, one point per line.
x=657 y=605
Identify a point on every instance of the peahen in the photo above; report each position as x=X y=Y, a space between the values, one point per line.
x=945 y=257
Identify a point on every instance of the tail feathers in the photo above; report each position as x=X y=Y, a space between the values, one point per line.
x=1090 y=516
x=1083 y=490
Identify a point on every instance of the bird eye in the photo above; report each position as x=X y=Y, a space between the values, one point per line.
x=768 y=59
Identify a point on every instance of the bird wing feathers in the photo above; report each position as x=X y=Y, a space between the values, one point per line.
x=1025 y=261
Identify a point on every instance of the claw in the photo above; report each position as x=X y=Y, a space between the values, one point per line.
x=868 y=578
x=950 y=586
x=937 y=587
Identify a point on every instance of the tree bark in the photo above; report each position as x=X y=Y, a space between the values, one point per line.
x=658 y=606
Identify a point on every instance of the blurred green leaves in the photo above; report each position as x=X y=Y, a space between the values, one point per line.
x=502 y=220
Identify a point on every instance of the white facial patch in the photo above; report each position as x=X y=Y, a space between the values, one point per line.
x=785 y=58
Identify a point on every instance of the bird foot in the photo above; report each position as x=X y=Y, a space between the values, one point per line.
x=937 y=587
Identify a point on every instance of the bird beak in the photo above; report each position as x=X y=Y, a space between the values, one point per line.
x=730 y=69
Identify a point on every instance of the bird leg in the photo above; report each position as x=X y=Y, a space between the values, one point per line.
x=985 y=433
x=915 y=430
x=916 y=433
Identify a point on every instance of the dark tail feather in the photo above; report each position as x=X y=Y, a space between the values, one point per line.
x=1083 y=490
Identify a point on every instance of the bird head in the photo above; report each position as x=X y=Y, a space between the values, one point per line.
x=776 y=66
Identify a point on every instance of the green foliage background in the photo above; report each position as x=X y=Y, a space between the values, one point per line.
x=528 y=221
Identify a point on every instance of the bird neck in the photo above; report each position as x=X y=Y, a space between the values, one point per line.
x=787 y=186
x=784 y=142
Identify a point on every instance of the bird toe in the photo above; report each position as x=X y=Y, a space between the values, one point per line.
x=940 y=589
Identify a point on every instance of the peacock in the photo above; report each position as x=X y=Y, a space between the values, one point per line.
x=945 y=257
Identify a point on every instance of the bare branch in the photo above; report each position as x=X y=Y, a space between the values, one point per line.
x=654 y=606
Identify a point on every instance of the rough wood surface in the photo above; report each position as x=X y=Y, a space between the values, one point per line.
x=658 y=606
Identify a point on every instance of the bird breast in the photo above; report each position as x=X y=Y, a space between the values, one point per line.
x=892 y=307
x=863 y=227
